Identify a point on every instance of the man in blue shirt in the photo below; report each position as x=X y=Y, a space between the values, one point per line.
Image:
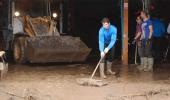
x=158 y=38
x=107 y=39
x=147 y=33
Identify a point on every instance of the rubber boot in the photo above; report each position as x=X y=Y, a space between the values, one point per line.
x=150 y=64
x=145 y=64
x=109 y=68
x=141 y=66
x=102 y=74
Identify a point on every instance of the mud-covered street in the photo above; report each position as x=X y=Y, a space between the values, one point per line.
x=58 y=82
x=48 y=46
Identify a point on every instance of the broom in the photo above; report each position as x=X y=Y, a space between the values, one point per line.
x=90 y=81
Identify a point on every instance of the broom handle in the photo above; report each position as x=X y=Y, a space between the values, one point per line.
x=96 y=67
x=136 y=50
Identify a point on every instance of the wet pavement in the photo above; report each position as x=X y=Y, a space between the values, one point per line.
x=131 y=73
x=58 y=82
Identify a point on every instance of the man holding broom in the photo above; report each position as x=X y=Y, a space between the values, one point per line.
x=107 y=40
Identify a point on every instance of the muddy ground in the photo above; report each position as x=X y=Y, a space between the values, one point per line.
x=58 y=82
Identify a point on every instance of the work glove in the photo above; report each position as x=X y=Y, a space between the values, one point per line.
x=150 y=39
x=106 y=50
x=148 y=42
x=102 y=54
x=134 y=41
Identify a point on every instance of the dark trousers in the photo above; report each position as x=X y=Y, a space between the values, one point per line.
x=146 y=48
x=110 y=55
x=139 y=44
x=158 y=48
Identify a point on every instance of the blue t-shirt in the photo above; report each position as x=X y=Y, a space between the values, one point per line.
x=107 y=37
x=145 y=28
x=159 y=28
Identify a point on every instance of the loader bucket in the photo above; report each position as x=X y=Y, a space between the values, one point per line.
x=56 y=49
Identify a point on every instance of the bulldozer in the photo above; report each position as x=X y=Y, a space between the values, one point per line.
x=32 y=35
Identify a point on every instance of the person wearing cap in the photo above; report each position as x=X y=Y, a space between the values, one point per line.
x=107 y=40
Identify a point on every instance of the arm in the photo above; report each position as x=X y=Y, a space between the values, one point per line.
x=151 y=31
x=142 y=36
x=101 y=41
x=113 y=39
x=168 y=29
x=138 y=31
x=138 y=35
